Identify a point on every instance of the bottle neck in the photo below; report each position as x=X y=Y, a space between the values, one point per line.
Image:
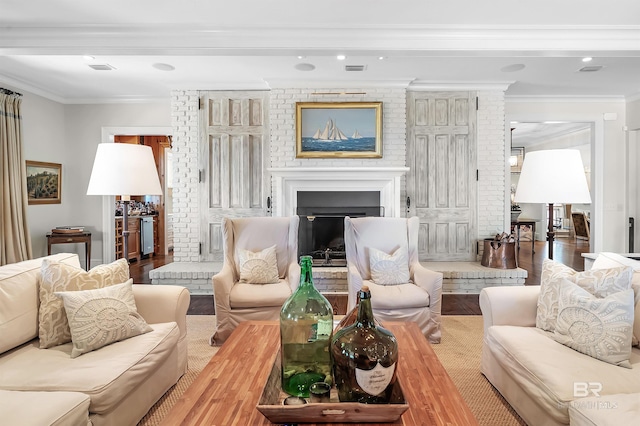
x=365 y=312
x=306 y=274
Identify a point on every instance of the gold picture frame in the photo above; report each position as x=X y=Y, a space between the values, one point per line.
x=44 y=182
x=339 y=130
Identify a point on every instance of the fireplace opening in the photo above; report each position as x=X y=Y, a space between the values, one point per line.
x=321 y=230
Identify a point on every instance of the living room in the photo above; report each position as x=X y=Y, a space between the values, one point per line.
x=62 y=123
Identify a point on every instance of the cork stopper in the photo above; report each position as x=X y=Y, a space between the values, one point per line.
x=365 y=288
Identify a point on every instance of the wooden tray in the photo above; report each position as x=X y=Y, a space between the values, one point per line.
x=270 y=405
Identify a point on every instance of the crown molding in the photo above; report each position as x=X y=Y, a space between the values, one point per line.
x=266 y=40
x=276 y=83
x=563 y=99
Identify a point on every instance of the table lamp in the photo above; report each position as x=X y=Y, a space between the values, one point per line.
x=124 y=169
x=552 y=176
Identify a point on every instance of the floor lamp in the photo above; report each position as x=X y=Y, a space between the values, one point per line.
x=552 y=176
x=124 y=169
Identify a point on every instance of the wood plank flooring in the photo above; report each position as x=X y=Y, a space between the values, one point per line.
x=565 y=250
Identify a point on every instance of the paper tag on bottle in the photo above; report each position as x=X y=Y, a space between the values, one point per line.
x=376 y=380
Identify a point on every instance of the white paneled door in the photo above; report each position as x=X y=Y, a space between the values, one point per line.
x=441 y=153
x=232 y=161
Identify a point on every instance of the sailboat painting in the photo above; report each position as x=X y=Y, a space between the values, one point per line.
x=339 y=129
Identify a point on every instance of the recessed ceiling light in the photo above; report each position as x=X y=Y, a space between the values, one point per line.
x=513 y=68
x=301 y=57
x=305 y=67
x=382 y=58
x=163 y=67
x=341 y=57
x=587 y=59
x=88 y=57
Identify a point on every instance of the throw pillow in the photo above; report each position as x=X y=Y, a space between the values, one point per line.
x=259 y=267
x=598 y=327
x=53 y=328
x=389 y=269
x=600 y=283
x=103 y=316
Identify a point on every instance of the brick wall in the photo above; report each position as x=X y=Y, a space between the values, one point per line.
x=184 y=117
x=186 y=219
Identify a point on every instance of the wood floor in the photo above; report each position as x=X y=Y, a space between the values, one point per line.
x=567 y=251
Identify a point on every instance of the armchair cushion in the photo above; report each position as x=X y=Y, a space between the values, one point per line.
x=245 y=295
x=400 y=296
x=258 y=267
x=389 y=269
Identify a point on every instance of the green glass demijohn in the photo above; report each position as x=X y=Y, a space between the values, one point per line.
x=306 y=327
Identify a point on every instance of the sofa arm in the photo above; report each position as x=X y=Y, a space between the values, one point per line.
x=506 y=305
x=431 y=282
x=354 y=284
x=163 y=303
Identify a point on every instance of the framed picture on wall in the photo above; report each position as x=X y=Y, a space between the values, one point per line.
x=339 y=130
x=44 y=182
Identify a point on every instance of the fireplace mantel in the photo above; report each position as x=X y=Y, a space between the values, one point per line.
x=288 y=181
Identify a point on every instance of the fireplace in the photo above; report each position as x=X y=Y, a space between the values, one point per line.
x=321 y=230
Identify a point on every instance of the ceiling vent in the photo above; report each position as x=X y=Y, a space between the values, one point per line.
x=102 y=67
x=355 y=67
x=591 y=68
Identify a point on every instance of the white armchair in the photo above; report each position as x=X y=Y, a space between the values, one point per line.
x=419 y=299
x=238 y=301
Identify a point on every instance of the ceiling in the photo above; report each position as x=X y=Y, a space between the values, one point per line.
x=530 y=49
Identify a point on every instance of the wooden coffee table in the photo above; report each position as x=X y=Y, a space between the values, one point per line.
x=228 y=389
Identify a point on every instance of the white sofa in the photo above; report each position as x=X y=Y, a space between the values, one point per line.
x=113 y=385
x=546 y=382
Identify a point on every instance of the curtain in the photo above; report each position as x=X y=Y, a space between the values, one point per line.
x=15 y=241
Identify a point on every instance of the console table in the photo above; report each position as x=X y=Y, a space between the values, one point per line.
x=525 y=222
x=80 y=237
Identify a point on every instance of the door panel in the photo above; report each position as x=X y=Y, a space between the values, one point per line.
x=234 y=140
x=441 y=152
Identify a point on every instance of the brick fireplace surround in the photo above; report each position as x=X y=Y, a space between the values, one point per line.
x=387 y=175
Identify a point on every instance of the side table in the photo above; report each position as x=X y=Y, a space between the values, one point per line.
x=80 y=237
x=526 y=222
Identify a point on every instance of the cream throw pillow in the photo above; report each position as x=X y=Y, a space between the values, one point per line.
x=53 y=328
x=259 y=267
x=600 y=283
x=389 y=269
x=103 y=316
x=598 y=327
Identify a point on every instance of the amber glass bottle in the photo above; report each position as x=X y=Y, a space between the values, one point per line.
x=364 y=357
x=306 y=327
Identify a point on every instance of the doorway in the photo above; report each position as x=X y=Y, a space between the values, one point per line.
x=108 y=202
x=534 y=136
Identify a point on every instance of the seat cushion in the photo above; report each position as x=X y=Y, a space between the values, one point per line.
x=245 y=295
x=547 y=370
x=107 y=375
x=610 y=410
x=53 y=408
x=400 y=296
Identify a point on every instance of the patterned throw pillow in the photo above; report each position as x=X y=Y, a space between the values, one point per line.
x=600 y=283
x=598 y=327
x=259 y=267
x=389 y=269
x=53 y=328
x=103 y=316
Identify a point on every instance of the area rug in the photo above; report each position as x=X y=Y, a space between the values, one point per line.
x=459 y=352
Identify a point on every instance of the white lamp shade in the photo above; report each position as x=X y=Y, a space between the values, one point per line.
x=553 y=176
x=124 y=169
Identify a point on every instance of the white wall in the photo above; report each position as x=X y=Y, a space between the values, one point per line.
x=609 y=182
